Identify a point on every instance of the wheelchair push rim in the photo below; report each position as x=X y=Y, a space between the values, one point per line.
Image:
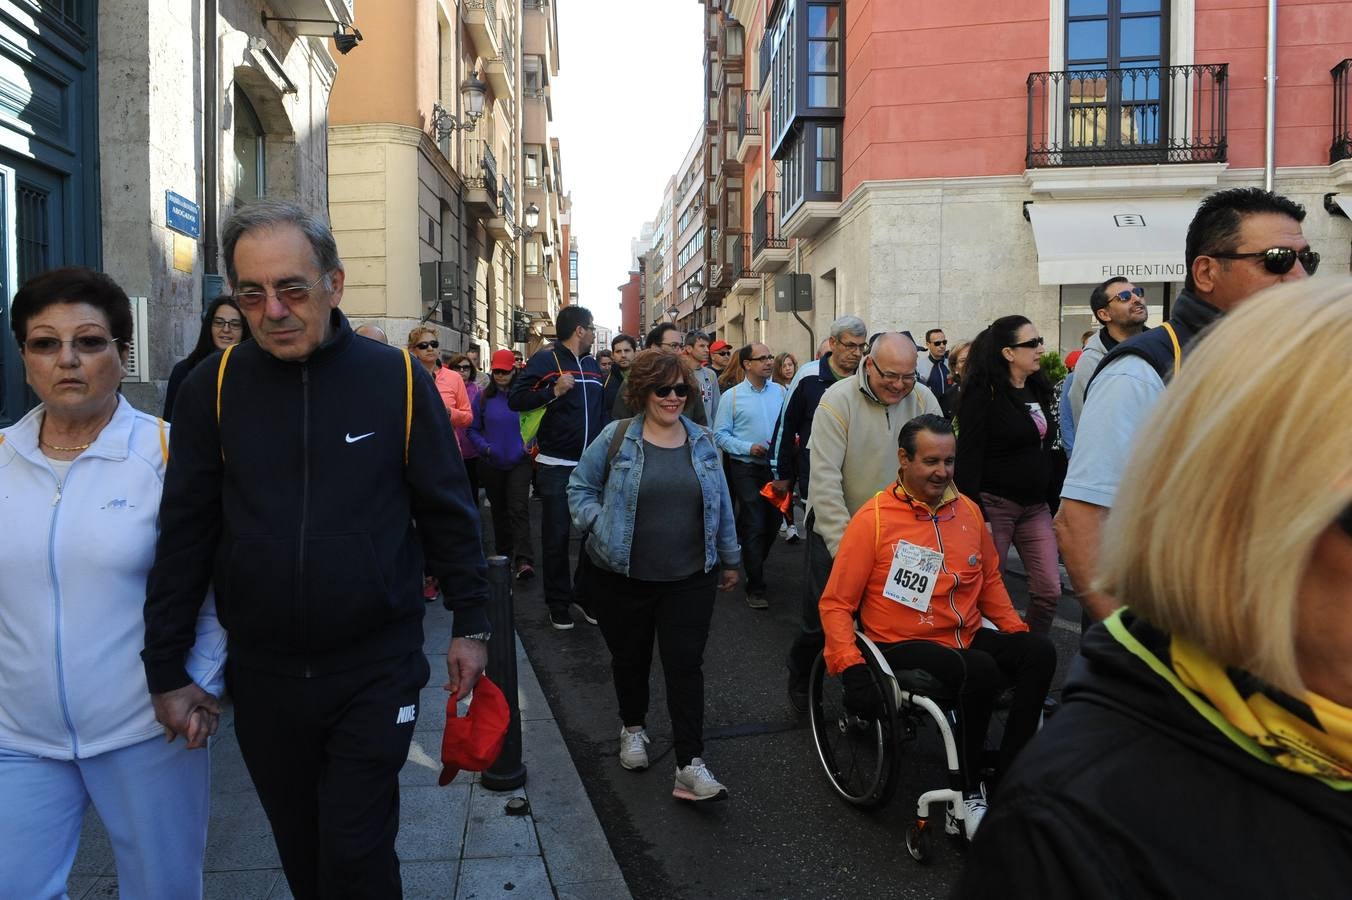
x=860 y=757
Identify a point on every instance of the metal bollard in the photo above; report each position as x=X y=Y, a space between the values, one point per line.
x=508 y=772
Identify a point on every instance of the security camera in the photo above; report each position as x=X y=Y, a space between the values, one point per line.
x=345 y=42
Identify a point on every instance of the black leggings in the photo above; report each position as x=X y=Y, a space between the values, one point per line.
x=994 y=660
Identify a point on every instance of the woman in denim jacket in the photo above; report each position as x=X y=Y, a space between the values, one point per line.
x=663 y=541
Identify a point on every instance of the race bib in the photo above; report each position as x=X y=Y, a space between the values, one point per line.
x=910 y=581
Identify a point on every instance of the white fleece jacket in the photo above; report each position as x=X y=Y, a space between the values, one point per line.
x=73 y=567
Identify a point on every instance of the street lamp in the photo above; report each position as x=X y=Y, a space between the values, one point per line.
x=472 y=94
x=531 y=217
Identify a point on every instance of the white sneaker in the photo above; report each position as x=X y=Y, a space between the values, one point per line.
x=976 y=810
x=633 y=749
x=696 y=782
x=783 y=526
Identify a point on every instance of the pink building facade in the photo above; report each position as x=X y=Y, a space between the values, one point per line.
x=944 y=164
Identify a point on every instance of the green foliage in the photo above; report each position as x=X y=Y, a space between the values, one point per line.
x=1053 y=367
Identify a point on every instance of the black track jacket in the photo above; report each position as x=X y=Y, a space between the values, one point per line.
x=300 y=509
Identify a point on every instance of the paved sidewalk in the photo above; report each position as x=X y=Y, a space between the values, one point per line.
x=454 y=842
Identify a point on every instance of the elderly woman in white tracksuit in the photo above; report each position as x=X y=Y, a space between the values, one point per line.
x=80 y=481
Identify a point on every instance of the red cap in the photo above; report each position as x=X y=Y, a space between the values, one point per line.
x=719 y=345
x=503 y=360
x=475 y=741
x=1072 y=358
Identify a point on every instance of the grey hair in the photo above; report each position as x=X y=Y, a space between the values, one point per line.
x=849 y=325
x=265 y=214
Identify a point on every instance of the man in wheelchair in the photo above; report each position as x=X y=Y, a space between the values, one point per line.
x=919 y=569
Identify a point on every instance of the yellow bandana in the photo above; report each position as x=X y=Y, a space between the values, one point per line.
x=1307 y=734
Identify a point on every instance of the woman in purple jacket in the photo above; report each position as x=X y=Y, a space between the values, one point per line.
x=504 y=466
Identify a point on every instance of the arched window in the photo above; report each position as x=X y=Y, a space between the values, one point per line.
x=251 y=169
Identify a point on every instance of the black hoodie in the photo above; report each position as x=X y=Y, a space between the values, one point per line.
x=1129 y=792
x=300 y=508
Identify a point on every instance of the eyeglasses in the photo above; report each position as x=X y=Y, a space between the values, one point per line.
x=666 y=390
x=465 y=367
x=765 y=358
x=423 y=345
x=290 y=294
x=85 y=345
x=903 y=377
x=848 y=347
x=1278 y=260
x=672 y=346
x=1030 y=344
x=1128 y=296
x=226 y=324
x=502 y=371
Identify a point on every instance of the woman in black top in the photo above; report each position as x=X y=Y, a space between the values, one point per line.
x=222 y=325
x=1005 y=437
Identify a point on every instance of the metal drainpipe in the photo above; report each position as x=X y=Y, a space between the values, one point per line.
x=1270 y=119
x=211 y=133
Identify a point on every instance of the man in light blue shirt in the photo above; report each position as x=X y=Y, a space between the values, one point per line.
x=742 y=429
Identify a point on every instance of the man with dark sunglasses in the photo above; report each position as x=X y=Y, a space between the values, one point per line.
x=1119 y=306
x=932 y=367
x=1240 y=241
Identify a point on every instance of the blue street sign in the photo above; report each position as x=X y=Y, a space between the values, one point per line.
x=182 y=215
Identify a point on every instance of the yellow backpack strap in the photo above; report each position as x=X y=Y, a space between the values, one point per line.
x=220 y=380
x=2 y=438
x=164 y=441
x=1178 y=350
x=408 y=401
x=877 y=523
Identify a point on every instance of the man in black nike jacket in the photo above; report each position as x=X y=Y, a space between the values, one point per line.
x=313 y=478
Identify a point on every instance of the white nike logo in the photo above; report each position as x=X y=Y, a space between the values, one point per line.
x=353 y=440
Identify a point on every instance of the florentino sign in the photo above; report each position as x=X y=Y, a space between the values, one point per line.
x=1158 y=271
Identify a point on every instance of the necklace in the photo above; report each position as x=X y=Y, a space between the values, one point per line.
x=65 y=449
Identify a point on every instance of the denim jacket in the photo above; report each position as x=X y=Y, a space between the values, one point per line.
x=608 y=510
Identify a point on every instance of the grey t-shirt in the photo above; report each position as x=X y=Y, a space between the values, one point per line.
x=668 y=540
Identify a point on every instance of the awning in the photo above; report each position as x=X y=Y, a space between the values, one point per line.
x=1345 y=201
x=1088 y=241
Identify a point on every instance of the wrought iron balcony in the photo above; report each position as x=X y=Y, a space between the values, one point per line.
x=748 y=118
x=1342 y=130
x=765 y=225
x=480 y=174
x=767 y=47
x=1107 y=117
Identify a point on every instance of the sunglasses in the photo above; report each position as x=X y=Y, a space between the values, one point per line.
x=465 y=368
x=1126 y=296
x=722 y=353
x=290 y=294
x=502 y=371
x=939 y=343
x=423 y=345
x=1278 y=260
x=666 y=390
x=1031 y=344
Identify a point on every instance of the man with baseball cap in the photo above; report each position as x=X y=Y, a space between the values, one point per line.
x=720 y=354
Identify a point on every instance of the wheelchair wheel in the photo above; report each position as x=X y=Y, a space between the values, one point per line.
x=859 y=755
x=920 y=842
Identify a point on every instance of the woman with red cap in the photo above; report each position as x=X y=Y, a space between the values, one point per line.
x=504 y=465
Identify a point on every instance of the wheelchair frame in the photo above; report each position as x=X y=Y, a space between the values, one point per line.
x=878 y=786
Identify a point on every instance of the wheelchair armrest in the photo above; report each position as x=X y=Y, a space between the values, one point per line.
x=870 y=650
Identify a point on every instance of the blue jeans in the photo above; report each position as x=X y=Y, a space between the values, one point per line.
x=555 y=531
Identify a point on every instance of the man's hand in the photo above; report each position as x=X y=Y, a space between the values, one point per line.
x=563 y=385
x=189 y=712
x=728 y=580
x=781 y=486
x=861 y=694
x=465 y=662
x=759 y=450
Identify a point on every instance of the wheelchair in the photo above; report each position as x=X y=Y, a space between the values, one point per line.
x=861 y=756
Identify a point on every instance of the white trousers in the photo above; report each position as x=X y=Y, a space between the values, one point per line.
x=152 y=798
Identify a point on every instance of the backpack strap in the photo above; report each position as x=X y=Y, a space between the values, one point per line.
x=164 y=440
x=616 y=440
x=408 y=400
x=220 y=379
x=1178 y=349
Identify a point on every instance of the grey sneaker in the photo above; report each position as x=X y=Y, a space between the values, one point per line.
x=696 y=782
x=757 y=600
x=633 y=749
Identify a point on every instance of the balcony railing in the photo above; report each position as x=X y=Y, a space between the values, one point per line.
x=488 y=6
x=765 y=226
x=1106 y=117
x=748 y=117
x=739 y=257
x=767 y=46
x=481 y=168
x=508 y=201
x=1342 y=130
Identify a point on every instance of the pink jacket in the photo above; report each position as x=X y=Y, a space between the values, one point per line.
x=451 y=387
